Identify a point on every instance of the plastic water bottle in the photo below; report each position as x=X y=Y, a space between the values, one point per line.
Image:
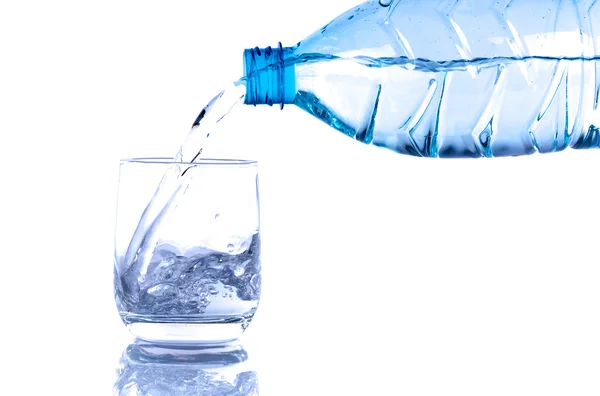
x=446 y=78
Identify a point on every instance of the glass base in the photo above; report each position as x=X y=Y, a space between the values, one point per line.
x=213 y=330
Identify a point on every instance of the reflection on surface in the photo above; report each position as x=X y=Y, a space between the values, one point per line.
x=164 y=370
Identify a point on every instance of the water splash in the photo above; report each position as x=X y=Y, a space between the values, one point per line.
x=176 y=180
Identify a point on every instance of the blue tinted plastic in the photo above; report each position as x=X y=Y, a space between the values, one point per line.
x=269 y=81
x=451 y=78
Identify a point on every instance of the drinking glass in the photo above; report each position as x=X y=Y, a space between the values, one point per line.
x=187 y=249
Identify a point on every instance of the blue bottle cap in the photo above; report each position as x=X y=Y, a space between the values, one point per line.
x=270 y=76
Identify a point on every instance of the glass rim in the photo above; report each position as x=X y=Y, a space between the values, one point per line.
x=212 y=162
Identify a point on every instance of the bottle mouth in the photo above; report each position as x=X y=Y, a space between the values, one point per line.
x=270 y=76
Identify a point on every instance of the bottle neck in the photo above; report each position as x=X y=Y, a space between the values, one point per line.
x=270 y=78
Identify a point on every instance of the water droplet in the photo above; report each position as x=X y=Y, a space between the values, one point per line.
x=217 y=216
x=385 y=3
x=213 y=290
x=224 y=295
x=351 y=17
x=231 y=248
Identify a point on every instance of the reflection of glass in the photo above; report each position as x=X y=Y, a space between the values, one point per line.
x=179 y=370
x=191 y=272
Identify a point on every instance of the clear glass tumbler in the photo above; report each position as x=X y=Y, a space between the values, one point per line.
x=187 y=249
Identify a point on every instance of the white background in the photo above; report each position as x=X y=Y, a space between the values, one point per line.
x=383 y=274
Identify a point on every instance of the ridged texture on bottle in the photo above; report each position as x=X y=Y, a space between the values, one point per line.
x=458 y=78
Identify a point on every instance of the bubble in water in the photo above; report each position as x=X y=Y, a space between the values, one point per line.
x=182 y=285
x=217 y=217
x=231 y=248
x=162 y=290
x=204 y=301
x=385 y=3
x=238 y=270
